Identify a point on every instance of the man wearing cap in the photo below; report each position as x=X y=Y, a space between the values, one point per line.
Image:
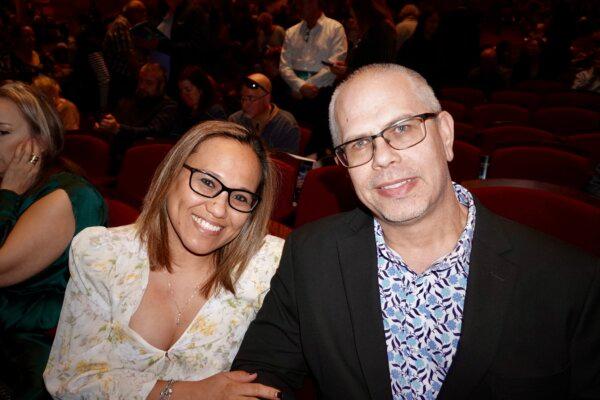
x=277 y=127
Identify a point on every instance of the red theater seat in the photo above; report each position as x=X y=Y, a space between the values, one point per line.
x=326 y=191
x=464 y=95
x=541 y=86
x=567 y=218
x=588 y=144
x=513 y=135
x=488 y=115
x=540 y=164
x=567 y=120
x=527 y=100
x=137 y=171
x=92 y=154
x=572 y=98
x=286 y=176
x=305 y=135
x=120 y=213
x=466 y=163
x=465 y=132
x=457 y=110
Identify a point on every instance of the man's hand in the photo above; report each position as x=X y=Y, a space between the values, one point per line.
x=24 y=167
x=309 y=91
x=226 y=386
x=108 y=124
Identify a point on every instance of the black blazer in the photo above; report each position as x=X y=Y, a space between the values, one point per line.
x=531 y=322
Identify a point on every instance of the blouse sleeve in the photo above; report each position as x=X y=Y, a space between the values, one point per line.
x=82 y=362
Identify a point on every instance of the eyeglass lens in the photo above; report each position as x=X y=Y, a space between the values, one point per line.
x=399 y=136
x=209 y=186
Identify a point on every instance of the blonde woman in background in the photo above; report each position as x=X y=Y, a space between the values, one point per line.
x=68 y=112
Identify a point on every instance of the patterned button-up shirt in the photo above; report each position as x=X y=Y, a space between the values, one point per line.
x=422 y=313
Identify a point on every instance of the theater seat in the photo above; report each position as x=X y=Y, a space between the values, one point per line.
x=137 y=171
x=540 y=164
x=286 y=176
x=513 y=135
x=566 y=218
x=466 y=163
x=587 y=143
x=567 y=120
x=465 y=95
x=488 y=115
x=90 y=153
x=457 y=110
x=528 y=100
x=326 y=191
x=572 y=98
x=120 y=213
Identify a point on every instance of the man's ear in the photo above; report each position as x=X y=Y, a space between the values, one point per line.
x=445 y=124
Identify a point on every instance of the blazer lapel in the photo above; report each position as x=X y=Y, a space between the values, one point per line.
x=358 y=263
x=489 y=289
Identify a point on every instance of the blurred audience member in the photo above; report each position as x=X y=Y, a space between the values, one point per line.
x=488 y=76
x=309 y=48
x=42 y=206
x=270 y=36
x=67 y=111
x=422 y=51
x=199 y=100
x=150 y=113
x=409 y=18
x=119 y=50
x=589 y=79
x=277 y=127
x=25 y=50
x=376 y=41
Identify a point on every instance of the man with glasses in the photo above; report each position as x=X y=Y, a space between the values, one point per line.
x=277 y=127
x=423 y=293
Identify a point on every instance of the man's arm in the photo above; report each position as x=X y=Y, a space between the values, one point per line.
x=271 y=346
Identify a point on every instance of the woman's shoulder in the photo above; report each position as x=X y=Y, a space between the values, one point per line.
x=88 y=204
x=266 y=260
x=96 y=249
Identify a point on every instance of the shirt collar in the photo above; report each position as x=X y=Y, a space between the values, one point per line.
x=464 y=241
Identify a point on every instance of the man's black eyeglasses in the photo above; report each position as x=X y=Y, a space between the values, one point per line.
x=207 y=185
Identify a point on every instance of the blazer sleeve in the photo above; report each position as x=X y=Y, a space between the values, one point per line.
x=585 y=346
x=271 y=346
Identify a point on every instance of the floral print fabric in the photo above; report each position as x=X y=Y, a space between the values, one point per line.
x=96 y=355
x=422 y=313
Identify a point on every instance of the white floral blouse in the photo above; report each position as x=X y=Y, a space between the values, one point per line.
x=96 y=355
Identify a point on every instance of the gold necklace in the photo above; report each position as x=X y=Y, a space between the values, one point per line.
x=180 y=310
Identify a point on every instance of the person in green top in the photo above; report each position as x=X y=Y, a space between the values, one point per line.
x=43 y=204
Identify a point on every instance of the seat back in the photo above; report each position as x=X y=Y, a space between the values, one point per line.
x=139 y=165
x=120 y=213
x=513 y=135
x=487 y=115
x=541 y=86
x=286 y=176
x=91 y=153
x=587 y=143
x=527 y=100
x=305 y=135
x=465 y=95
x=326 y=191
x=457 y=110
x=588 y=100
x=466 y=163
x=567 y=120
x=540 y=164
x=566 y=218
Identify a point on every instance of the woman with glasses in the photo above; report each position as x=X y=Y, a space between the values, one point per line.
x=158 y=309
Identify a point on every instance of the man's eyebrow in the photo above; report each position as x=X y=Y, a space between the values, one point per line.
x=389 y=123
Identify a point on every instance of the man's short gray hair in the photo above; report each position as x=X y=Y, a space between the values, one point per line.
x=419 y=88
